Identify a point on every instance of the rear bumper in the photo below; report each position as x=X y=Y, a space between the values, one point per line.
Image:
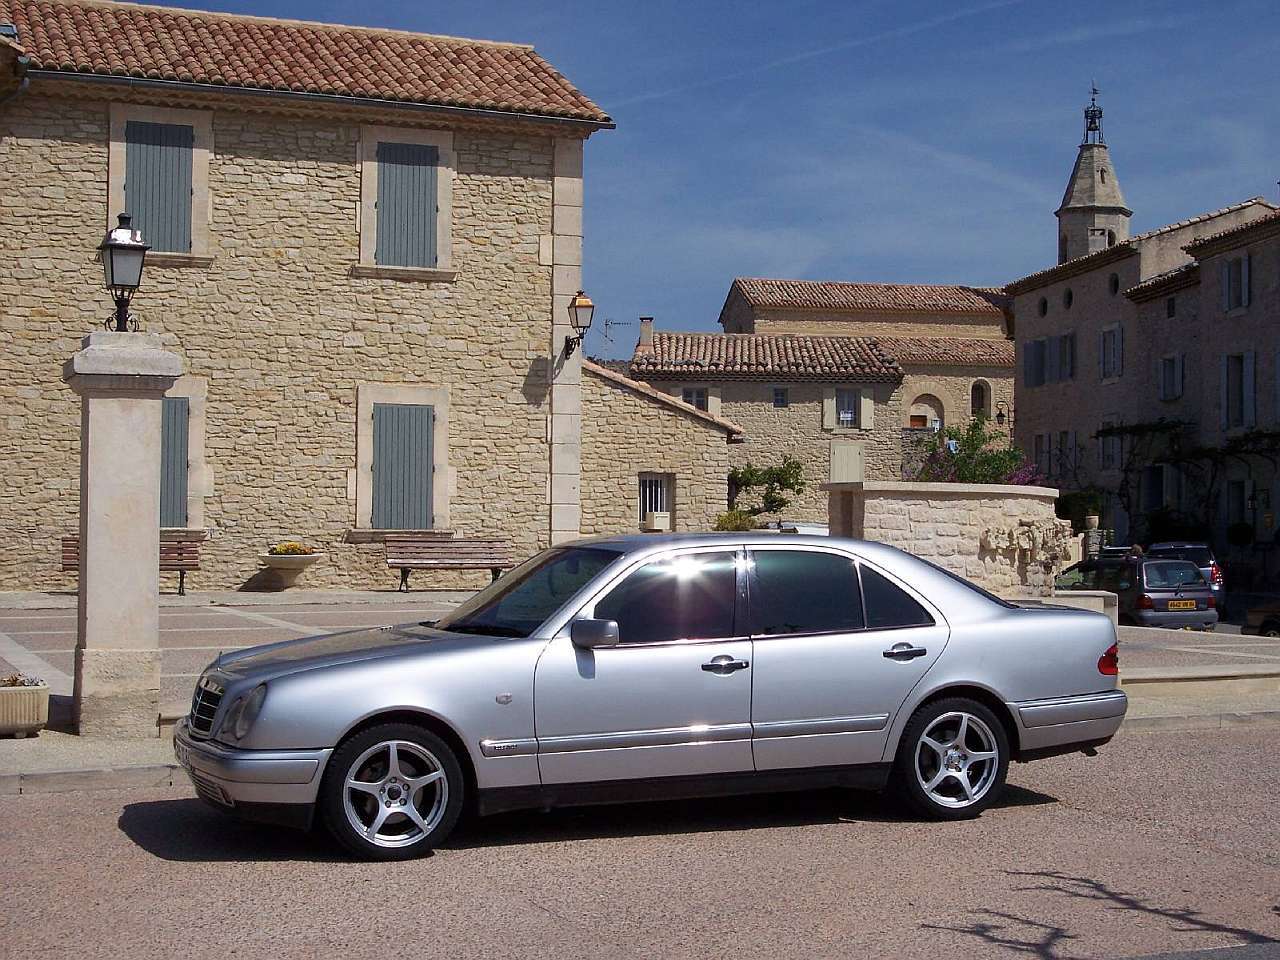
x=272 y=786
x=1176 y=619
x=1062 y=723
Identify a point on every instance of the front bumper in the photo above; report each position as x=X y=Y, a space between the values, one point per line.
x=275 y=786
x=1062 y=724
x=1177 y=619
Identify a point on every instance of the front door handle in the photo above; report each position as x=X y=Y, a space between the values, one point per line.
x=904 y=651
x=724 y=664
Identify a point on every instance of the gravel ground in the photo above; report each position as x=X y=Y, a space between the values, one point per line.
x=1164 y=842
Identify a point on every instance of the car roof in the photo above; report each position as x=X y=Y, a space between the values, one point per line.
x=651 y=542
x=1180 y=545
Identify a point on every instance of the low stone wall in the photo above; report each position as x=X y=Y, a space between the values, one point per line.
x=1004 y=538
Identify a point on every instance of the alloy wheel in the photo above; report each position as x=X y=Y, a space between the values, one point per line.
x=956 y=760
x=395 y=793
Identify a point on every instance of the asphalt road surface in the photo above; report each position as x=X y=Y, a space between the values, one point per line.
x=1165 y=844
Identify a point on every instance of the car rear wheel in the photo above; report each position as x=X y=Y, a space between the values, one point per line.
x=952 y=759
x=1270 y=629
x=392 y=792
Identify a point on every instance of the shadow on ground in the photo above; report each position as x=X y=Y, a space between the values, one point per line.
x=192 y=831
x=1024 y=935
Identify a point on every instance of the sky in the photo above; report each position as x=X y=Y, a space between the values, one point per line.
x=923 y=141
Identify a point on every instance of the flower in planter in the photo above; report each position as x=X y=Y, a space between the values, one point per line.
x=20 y=680
x=291 y=548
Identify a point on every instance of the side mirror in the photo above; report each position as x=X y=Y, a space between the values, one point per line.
x=593 y=633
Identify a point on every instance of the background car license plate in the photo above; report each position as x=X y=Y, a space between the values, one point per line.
x=1182 y=604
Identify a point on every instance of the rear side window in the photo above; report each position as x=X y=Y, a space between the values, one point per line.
x=799 y=591
x=688 y=597
x=890 y=606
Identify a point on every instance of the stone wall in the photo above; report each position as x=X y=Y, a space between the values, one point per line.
x=796 y=431
x=280 y=333
x=626 y=433
x=1006 y=539
x=953 y=386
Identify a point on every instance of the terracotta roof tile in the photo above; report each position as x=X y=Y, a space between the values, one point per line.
x=831 y=295
x=958 y=351
x=754 y=355
x=1186 y=275
x=734 y=431
x=225 y=50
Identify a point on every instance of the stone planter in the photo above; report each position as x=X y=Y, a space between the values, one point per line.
x=285 y=568
x=1091 y=521
x=23 y=710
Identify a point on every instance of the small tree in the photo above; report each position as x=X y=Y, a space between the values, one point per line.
x=975 y=453
x=764 y=487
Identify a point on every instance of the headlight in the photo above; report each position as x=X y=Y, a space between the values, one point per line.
x=244 y=712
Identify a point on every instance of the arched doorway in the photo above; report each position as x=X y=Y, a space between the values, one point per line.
x=980 y=399
x=926 y=413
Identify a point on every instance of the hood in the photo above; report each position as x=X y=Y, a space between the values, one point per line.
x=308 y=653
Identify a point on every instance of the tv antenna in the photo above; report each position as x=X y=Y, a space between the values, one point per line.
x=609 y=324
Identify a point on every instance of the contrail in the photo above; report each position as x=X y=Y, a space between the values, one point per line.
x=896 y=32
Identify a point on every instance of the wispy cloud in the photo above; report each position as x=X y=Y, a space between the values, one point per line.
x=906 y=30
x=1102 y=32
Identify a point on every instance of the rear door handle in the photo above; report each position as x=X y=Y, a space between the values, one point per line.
x=904 y=651
x=724 y=664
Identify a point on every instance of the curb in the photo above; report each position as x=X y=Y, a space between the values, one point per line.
x=1201 y=721
x=110 y=778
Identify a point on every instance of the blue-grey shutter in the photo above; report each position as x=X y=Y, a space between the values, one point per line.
x=406 y=205
x=1224 y=278
x=1052 y=362
x=1244 y=280
x=1224 y=394
x=1248 y=389
x=402 y=438
x=175 y=419
x=157 y=183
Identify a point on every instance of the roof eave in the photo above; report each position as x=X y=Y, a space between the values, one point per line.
x=1072 y=268
x=1233 y=239
x=179 y=86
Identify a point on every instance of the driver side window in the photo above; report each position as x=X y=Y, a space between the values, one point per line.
x=686 y=597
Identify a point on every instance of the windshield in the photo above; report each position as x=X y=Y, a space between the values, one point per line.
x=1172 y=573
x=517 y=604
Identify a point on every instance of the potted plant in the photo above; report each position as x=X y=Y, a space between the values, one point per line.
x=24 y=705
x=288 y=559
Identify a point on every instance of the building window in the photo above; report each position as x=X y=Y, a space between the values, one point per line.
x=695 y=397
x=846 y=408
x=1111 y=353
x=1171 y=308
x=1062 y=248
x=1235 y=283
x=780 y=398
x=657 y=494
x=1171 y=373
x=406 y=199
x=1042 y=452
x=1042 y=307
x=1033 y=363
x=1238 y=401
x=1066 y=453
x=1153 y=487
x=1102 y=174
x=1108 y=447
x=175 y=421
x=1113 y=283
x=1111 y=238
x=980 y=400
x=1068 y=298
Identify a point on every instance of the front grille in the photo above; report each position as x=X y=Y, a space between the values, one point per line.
x=204 y=706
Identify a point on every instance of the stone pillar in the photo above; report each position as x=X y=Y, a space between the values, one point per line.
x=566 y=374
x=121 y=378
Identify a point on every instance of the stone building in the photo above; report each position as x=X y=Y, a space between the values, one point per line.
x=847 y=378
x=1140 y=356
x=364 y=244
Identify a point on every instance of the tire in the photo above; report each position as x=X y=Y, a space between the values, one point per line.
x=931 y=742
x=1270 y=629
x=412 y=792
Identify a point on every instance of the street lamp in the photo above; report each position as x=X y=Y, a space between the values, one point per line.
x=122 y=252
x=1003 y=414
x=581 y=310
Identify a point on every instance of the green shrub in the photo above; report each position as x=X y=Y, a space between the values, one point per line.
x=735 y=520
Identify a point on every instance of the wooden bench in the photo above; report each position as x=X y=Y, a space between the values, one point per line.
x=177 y=554
x=430 y=551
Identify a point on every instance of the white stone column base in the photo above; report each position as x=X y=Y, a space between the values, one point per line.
x=117 y=693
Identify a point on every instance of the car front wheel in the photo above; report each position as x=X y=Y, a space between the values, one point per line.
x=392 y=792
x=952 y=759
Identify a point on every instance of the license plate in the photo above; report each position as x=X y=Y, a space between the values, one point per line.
x=1182 y=604
x=182 y=752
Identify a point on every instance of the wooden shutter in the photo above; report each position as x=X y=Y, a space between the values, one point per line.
x=406 y=211
x=1244 y=280
x=1119 y=342
x=866 y=408
x=157 y=183
x=1248 y=391
x=402 y=466
x=1102 y=355
x=1224 y=277
x=175 y=420
x=1052 y=360
x=1180 y=374
x=1224 y=396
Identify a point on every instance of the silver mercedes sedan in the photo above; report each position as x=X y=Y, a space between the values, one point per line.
x=636 y=667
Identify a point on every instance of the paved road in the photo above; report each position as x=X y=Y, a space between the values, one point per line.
x=1163 y=843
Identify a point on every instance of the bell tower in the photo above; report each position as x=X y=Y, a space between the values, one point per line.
x=1093 y=215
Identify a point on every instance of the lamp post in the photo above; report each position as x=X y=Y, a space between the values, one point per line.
x=122 y=252
x=1003 y=414
x=581 y=310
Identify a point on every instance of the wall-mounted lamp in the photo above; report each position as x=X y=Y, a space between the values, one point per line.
x=581 y=310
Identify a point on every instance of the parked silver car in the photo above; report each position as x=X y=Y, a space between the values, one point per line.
x=626 y=668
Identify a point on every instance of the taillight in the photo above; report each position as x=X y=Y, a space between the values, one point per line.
x=1215 y=573
x=1146 y=603
x=1109 y=662
x=1212 y=603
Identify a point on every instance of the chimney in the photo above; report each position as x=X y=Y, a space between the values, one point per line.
x=645 y=346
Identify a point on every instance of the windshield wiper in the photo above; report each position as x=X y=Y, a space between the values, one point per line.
x=489 y=630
